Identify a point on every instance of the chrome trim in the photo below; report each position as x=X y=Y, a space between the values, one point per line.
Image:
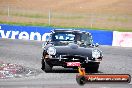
x=50 y=56
x=60 y=58
x=94 y=61
x=87 y=60
x=74 y=59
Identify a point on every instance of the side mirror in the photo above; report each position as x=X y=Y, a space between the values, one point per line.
x=44 y=43
x=96 y=45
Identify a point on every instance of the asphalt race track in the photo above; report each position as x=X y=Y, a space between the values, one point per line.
x=28 y=54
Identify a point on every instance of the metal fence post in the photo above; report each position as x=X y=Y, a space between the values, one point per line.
x=8 y=11
x=49 y=17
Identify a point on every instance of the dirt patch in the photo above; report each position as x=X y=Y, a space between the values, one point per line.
x=8 y=70
x=112 y=14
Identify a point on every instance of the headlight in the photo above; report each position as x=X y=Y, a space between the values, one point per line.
x=95 y=53
x=51 y=51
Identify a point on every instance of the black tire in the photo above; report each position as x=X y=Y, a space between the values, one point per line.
x=43 y=64
x=48 y=67
x=92 y=69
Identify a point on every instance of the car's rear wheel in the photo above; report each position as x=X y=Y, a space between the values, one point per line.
x=43 y=64
x=48 y=67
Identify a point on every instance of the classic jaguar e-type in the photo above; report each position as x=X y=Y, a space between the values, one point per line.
x=71 y=49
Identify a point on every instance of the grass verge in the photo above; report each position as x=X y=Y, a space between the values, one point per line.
x=56 y=26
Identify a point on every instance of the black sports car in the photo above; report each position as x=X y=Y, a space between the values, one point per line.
x=70 y=49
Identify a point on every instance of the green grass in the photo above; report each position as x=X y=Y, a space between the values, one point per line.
x=25 y=15
x=77 y=19
x=24 y=24
x=56 y=26
x=68 y=17
x=29 y=15
x=58 y=16
x=118 y=19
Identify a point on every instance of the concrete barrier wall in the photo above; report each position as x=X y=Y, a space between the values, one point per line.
x=40 y=33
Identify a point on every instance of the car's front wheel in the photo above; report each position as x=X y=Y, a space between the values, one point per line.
x=48 y=67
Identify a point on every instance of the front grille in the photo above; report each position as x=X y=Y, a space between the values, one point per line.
x=73 y=58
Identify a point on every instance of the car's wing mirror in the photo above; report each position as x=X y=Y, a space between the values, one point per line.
x=97 y=45
x=44 y=43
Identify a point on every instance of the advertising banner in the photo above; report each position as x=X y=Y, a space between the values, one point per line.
x=42 y=33
x=123 y=39
x=24 y=32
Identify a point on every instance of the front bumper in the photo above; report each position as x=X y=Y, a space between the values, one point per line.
x=62 y=60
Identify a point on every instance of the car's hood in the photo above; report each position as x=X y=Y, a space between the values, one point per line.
x=73 y=49
x=65 y=43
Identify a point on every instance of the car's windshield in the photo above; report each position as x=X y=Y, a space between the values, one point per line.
x=63 y=37
x=87 y=38
x=69 y=36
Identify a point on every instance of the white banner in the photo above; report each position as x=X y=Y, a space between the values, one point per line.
x=123 y=39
